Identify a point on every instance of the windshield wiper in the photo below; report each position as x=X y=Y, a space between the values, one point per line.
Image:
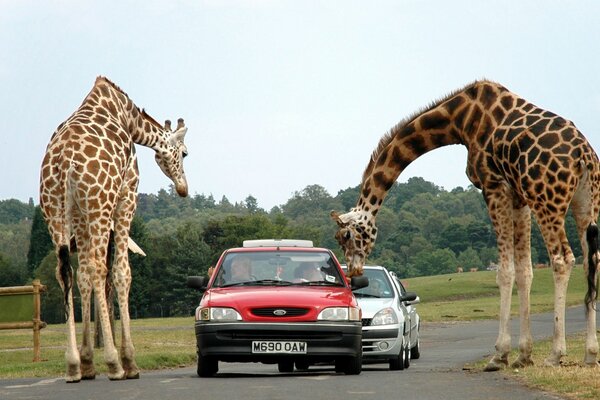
x=271 y=282
x=260 y=282
x=318 y=283
x=366 y=295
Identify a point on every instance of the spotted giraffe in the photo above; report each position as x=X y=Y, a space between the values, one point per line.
x=524 y=160
x=88 y=188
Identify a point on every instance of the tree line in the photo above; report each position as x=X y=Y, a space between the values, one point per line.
x=422 y=230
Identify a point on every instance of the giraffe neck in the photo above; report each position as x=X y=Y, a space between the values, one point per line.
x=463 y=117
x=108 y=101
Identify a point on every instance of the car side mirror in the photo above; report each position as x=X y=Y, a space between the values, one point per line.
x=410 y=298
x=197 y=282
x=359 y=282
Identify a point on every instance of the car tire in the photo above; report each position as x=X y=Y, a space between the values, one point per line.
x=407 y=353
x=285 y=366
x=349 y=365
x=397 y=363
x=415 y=351
x=207 y=366
x=302 y=365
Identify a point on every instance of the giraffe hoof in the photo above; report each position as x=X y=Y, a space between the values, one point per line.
x=88 y=377
x=135 y=375
x=495 y=365
x=73 y=379
x=118 y=376
x=522 y=363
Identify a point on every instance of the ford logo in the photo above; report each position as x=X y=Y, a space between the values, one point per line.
x=279 y=313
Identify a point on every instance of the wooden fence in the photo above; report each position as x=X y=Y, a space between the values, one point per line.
x=17 y=309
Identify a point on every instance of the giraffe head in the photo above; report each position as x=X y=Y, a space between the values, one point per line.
x=170 y=155
x=356 y=235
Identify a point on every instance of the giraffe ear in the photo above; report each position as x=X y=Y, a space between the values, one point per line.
x=168 y=125
x=336 y=217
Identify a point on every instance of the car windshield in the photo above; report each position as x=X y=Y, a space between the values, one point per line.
x=379 y=285
x=278 y=268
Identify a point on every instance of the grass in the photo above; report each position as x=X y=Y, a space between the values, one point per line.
x=170 y=343
x=159 y=343
x=475 y=295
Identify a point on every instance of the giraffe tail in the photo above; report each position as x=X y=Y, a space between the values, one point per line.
x=592 y=241
x=66 y=275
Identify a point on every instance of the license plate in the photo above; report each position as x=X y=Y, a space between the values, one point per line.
x=276 y=347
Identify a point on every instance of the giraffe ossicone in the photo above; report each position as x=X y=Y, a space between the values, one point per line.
x=525 y=160
x=88 y=190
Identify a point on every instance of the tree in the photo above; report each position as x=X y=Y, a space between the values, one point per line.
x=469 y=259
x=40 y=242
x=11 y=274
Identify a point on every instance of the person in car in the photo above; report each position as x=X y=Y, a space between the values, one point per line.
x=241 y=270
x=307 y=272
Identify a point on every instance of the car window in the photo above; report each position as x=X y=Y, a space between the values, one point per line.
x=379 y=285
x=400 y=286
x=277 y=268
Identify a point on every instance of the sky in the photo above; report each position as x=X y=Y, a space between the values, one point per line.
x=279 y=95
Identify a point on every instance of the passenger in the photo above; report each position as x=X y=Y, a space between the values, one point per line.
x=308 y=272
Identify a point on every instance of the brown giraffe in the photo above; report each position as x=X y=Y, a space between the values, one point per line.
x=524 y=159
x=88 y=188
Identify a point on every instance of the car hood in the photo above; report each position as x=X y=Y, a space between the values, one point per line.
x=245 y=298
x=370 y=305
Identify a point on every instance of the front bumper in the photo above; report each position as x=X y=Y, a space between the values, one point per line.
x=382 y=342
x=232 y=341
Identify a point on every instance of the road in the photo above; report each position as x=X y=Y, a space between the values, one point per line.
x=438 y=374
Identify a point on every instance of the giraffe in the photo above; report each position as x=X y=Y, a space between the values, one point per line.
x=88 y=189
x=524 y=160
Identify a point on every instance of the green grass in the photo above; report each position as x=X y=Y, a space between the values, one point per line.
x=159 y=343
x=475 y=295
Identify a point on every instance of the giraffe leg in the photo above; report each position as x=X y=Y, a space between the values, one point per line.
x=524 y=276
x=111 y=356
x=499 y=207
x=562 y=261
x=64 y=276
x=122 y=279
x=584 y=216
x=87 y=349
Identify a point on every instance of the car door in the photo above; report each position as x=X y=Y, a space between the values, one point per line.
x=411 y=309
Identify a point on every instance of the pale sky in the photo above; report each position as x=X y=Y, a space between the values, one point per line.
x=277 y=94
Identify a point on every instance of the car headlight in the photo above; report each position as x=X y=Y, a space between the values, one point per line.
x=218 y=314
x=339 y=314
x=387 y=316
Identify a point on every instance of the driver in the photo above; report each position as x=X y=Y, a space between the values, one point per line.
x=241 y=269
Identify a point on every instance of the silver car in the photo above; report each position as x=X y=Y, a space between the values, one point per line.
x=389 y=318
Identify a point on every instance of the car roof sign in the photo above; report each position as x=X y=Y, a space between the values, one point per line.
x=278 y=243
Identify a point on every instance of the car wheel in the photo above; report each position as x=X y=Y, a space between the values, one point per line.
x=207 y=366
x=415 y=351
x=302 y=365
x=286 y=366
x=407 y=357
x=397 y=363
x=350 y=365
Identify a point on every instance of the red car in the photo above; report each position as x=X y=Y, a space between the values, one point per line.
x=283 y=302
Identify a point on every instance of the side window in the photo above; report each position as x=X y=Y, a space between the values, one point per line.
x=400 y=286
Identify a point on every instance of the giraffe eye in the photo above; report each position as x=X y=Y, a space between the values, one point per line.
x=347 y=235
x=184 y=154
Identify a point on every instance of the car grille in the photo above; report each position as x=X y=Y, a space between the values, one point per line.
x=279 y=335
x=366 y=321
x=270 y=312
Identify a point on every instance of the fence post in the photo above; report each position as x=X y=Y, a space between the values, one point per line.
x=38 y=324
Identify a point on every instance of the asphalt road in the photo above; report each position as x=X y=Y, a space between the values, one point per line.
x=438 y=374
